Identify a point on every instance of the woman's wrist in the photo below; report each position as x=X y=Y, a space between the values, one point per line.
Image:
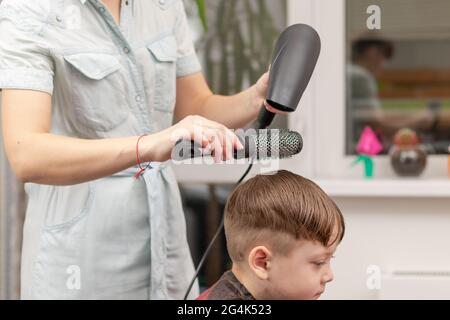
x=255 y=100
x=148 y=148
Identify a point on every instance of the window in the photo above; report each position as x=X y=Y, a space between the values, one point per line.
x=398 y=71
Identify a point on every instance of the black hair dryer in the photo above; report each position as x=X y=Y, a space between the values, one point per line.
x=293 y=62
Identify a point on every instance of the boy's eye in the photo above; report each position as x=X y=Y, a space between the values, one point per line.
x=321 y=263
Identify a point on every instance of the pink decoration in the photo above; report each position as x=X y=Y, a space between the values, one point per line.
x=368 y=143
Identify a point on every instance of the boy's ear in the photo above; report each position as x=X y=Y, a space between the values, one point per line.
x=260 y=261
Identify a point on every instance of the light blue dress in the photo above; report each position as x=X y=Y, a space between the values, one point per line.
x=115 y=237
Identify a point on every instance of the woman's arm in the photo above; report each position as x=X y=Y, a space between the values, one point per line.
x=40 y=157
x=194 y=97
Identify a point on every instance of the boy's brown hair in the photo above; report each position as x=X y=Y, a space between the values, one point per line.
x=276 y=209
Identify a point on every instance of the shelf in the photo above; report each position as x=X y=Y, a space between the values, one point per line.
x=392 y=188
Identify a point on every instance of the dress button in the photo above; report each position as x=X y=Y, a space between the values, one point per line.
x=58 y=18
x=102 y=10
x=139 y=98
x=162 y=2
x=126 y=50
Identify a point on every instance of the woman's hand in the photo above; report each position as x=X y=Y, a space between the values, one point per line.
x=209 y=134
x=260 y=93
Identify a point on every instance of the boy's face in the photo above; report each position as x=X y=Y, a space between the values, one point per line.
x=303 y=274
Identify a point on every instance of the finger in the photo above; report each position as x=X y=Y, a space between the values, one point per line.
x=216 y=146
x=273 y=110
x=235 y=142
x=197 y=134
x=265 y=79
x=203 y=141
x=229 y=145
x=223 y=134
x=227 y=139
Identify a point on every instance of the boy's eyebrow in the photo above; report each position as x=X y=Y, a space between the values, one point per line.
x=327 y=253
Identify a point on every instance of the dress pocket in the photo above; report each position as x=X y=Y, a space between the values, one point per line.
x=59 y=266
x=66 y=205
x=99 y=90
x=164 y=54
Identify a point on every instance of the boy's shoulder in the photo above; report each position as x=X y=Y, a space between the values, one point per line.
x=227 y=287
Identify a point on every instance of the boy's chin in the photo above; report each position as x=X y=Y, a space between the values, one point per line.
x=317 y=296
x=303 y=297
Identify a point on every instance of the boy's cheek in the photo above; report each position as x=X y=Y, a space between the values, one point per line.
x=296 y=280
x=308 y=286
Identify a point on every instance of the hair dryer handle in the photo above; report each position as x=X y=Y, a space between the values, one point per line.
x=265 y=118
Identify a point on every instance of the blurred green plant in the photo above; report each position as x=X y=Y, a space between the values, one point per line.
x=238 y=44
x=202 y=13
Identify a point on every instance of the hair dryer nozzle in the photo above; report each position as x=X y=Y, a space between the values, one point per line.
x=293 y=62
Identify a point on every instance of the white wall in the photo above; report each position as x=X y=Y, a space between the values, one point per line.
x=401 y=233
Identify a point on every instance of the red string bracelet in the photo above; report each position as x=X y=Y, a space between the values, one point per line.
x=138 y=160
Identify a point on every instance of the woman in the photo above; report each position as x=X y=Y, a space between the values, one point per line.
x=83 y=81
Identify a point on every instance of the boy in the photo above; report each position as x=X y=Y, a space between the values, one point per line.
x=282 y=231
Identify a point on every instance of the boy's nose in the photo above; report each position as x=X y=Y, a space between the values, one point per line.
x=328 y=276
